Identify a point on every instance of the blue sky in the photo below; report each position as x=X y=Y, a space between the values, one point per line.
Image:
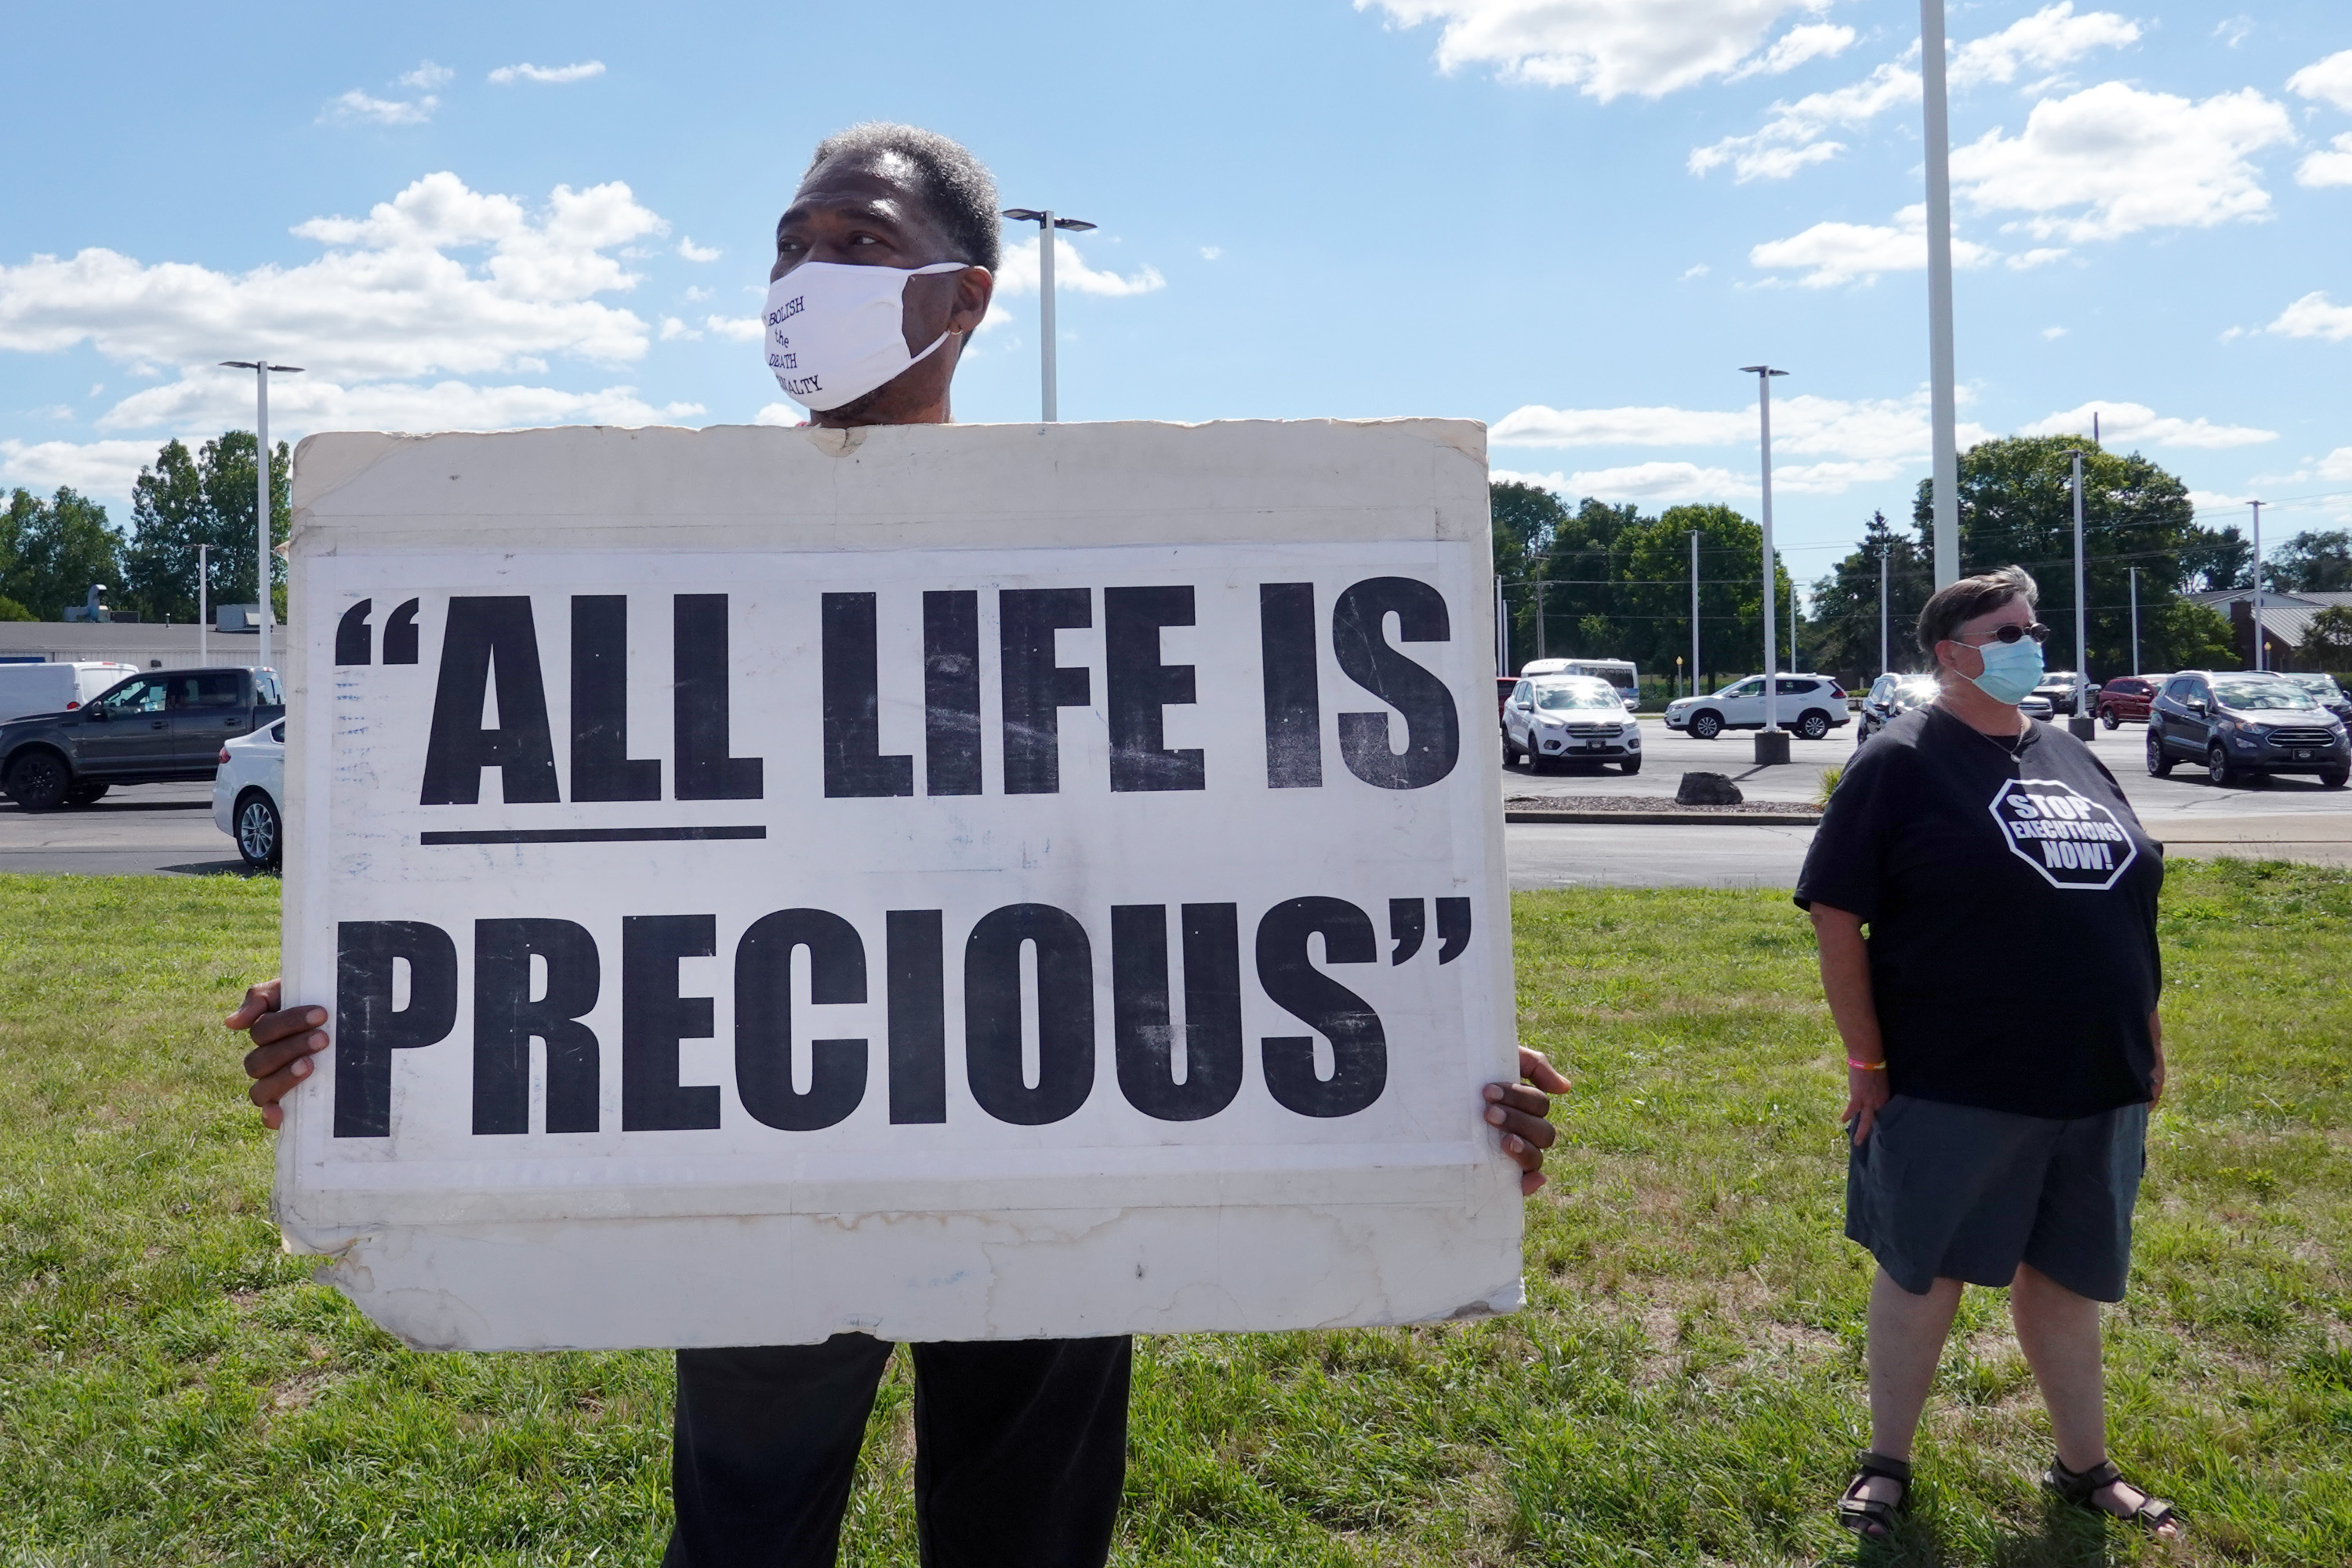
x=1570 y=219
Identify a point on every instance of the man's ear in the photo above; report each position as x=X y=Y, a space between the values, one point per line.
x=974 y=288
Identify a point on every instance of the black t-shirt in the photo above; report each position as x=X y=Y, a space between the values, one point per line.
x=2012 y=905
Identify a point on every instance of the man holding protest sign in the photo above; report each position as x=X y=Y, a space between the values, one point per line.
x=890 y=248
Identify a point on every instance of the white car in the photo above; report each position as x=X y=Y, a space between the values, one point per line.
x=1569 y=719
x=246 y=788
x=1811 y=705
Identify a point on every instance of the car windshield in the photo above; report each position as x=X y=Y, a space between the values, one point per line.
x=1916 y=693
x=2322 y=686
x=1558 y=695
x=2245 y=694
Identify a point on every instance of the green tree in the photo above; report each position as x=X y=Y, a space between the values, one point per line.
x=2218 y=558
x=185 y=501
x=2328 y=641
x=1654 y=590
x=1844 y=628
x=2313 y=563
x=2017 y=507
x=1581 y=572
x=52 y=551
x=1523 y=518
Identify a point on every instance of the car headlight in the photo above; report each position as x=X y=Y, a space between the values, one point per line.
x=2225 y=723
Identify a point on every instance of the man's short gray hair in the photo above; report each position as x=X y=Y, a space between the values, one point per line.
x=956 y=190
x=1970 y=597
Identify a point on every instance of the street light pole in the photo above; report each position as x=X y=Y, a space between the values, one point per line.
x=1943 y=398
x=1502 y=632
x=2258 y=660
x=2081 y=723
x=1047 y=224
x=203 y=615
x=1694 y=539
x=261 y=369
x=1794 y=662
x=1882 y=609
x=2135 y=612
x=1771 y=745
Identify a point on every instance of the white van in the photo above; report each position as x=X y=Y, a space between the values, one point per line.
x=1617 y=672
x=54 y=687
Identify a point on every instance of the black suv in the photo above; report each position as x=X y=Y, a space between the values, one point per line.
x=2242 y=724
x=162 y=726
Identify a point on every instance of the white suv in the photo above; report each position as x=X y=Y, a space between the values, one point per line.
x=1569 y=719
x=1811 y=705
x=246 y=789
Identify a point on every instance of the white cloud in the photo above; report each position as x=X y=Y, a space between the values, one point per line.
x=1812 y=41
x=1833 y=253
x=785 y=415
x=2336 y=465
x=742 y=329
x=1696 y=270
x=1071 y=274
x=2314 y=316
x=2333 y=167
x=1208 y=253
x=2041 y=256
x=526 y=71
x=2112 y=160
x=2053 y=334
x=2137 y=422
x=691 y=251
x=2051 y=38
x=387 y=299
x=671 y=327
x=357 y=107
x=1793 y=133
x=1536 y=426
x=1604 y=49
x=103 y=468
x=2328 y=80
x=427 y=76
x=2236 y=30
x=1640 y=482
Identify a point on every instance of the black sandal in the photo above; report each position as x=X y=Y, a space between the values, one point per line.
x=2078 y=1487
x=1872 y=1519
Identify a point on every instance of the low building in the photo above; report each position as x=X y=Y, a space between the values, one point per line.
x=2286 y=618
x=144 y=645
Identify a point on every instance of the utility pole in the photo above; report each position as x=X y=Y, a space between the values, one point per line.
x=2135 y=612
x=2081 y=723
x=266 y=614
x=1694 y=539
x=1047 y=224
x=204 y=615
x=1943 y=399
x=1771 y=743
x=1502 y=632
x=1540 y=644
x=1795 y=664
x=2258 y=660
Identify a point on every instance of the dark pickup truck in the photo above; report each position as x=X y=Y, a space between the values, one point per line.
x=156 y=728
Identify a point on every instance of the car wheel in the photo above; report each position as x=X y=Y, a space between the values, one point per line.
x=2159 y=763
x=2107 y=717
x=1706 y=726
x=1814 y=725
x=2218 y=769
x=2334 y=778
x=259 y=833
x=1631 y=765
x=1510 y=752
x=87 y=794
x=39 y=782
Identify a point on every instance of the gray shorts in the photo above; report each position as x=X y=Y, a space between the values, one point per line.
x=1957 y=1192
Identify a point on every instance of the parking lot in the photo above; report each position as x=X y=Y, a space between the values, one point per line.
x=167 y=829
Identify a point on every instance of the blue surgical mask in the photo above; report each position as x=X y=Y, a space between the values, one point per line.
x=2011 y=670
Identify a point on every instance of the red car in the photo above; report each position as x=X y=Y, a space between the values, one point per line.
x=2126 y=699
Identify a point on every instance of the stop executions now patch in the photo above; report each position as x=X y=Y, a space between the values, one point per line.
x=2070 y=839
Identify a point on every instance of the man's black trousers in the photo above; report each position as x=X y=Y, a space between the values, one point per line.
x=1020 y=1451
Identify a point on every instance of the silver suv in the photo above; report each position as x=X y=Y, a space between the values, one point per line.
x=2238 y=724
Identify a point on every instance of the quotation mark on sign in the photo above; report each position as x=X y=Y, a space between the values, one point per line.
x=354 y=638
x=1407 y=925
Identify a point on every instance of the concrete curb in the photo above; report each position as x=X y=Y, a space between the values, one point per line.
x=1655 y=818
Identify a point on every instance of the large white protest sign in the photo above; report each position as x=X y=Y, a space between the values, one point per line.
x=957 y=882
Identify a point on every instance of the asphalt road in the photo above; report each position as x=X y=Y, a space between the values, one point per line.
x=167 y=829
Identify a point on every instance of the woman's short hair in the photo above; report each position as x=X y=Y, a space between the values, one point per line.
x=956 y=187
x=1970 y=597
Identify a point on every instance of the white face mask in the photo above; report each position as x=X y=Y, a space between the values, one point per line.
x=834 y=332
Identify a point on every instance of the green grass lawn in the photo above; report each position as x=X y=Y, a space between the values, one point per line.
x=1684 y=1388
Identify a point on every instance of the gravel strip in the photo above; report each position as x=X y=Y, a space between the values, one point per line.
x=1655 y=803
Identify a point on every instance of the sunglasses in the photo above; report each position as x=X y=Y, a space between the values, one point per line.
x=2010 y=633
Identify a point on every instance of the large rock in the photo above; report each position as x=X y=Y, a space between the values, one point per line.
x=1707 y=789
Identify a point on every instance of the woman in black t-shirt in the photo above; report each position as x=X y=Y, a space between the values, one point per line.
x=1997 y=1137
